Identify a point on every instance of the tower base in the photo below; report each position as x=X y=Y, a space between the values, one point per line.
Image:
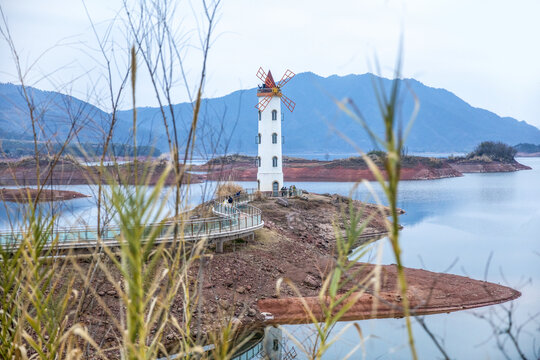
x=268 y=181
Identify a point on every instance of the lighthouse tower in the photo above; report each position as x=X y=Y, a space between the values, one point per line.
x=269 y=138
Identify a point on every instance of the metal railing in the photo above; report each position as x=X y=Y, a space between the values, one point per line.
x=233 y=219
x=279 y=193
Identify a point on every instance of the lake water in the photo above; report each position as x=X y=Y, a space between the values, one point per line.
x=83 y=211
x=454 y=225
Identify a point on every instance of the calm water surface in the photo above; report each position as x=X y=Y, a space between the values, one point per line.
x=456 y=225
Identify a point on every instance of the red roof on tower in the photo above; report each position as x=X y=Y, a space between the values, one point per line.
x=269 y=82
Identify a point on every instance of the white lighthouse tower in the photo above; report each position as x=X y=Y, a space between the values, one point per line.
x=269 y=138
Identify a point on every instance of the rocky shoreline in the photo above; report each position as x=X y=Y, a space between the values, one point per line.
x=471 y=166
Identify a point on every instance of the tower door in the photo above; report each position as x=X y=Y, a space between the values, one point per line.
x=275 y=188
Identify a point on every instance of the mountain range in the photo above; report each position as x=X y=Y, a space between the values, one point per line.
x=444 y=123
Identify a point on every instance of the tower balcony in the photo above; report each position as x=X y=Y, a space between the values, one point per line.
x=265 y=91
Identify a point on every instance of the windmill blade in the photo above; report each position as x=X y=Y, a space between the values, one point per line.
x=263 y=103
x=288 y=103
x=261 y=75
x=286 y=77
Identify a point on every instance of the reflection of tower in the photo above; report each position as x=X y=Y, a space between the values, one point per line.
x=272 y=343
x=269 y=139
x=269 y=345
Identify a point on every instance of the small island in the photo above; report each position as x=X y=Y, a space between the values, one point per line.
x=25 y=195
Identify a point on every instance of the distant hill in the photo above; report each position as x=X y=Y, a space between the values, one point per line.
x=445 y=123
x=54 y=113
x=527 y=148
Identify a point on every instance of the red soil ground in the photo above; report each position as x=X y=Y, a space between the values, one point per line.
x=428 y=293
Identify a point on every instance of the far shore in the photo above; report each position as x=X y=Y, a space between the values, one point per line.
x=243 y=168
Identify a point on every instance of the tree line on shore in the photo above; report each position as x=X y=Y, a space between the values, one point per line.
x=17 y=148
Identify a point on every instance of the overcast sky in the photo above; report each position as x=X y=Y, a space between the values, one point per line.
x=486 y=52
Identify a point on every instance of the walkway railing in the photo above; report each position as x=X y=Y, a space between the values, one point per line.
x=277 y=193
x=233 y=219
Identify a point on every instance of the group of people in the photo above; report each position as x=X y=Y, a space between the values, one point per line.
x=230 y=199
x=290 y=191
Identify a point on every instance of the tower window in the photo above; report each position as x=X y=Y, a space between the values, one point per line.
x=274 y=138
x=258 y=161
x=259 y=115
x=274 y=161
x=259 y=138
x=274 y=115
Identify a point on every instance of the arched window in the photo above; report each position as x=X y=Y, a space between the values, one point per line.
x=259 y=139
x=274 y=138
x=274 y=161
x=274 y=115
x=258 y=161
x=259 y=115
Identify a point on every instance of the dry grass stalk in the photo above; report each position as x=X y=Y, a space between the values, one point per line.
x=228 y=189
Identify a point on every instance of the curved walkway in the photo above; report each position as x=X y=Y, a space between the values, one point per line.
x=233 y=221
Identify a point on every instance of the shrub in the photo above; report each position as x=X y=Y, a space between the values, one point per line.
x=493 y=150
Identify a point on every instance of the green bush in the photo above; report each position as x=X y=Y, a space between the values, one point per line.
x=494 y=150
